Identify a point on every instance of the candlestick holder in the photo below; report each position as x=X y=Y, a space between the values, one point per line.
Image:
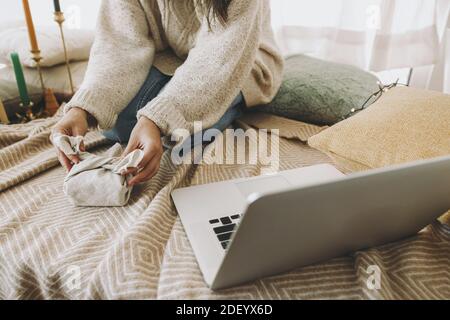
x=59 y=18
x=51 y=104
x=36 y=56
x=26 y=113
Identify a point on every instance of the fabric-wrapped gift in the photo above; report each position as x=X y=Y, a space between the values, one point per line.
x=97 y=181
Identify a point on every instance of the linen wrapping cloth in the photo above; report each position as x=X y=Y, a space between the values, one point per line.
x=97 y=181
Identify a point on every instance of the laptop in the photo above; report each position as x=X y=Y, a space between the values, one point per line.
x=245 y=229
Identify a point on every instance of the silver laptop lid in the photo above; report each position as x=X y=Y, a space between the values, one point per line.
x=283 y=231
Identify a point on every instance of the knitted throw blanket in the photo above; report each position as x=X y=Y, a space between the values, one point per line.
x=51 y=249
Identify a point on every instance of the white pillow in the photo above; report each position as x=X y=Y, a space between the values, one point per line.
x=5 y=25
x=79 y=43
x=55 y=78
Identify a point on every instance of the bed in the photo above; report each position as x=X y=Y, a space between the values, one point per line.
x=52 y=250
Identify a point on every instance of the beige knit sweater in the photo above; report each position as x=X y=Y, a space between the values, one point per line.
x=209 y=66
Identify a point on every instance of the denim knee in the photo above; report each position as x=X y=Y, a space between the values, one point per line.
x=126 y=120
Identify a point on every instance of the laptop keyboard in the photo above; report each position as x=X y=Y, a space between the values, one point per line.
x=224 y=228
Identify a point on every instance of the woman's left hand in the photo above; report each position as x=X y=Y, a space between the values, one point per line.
x=147 y=137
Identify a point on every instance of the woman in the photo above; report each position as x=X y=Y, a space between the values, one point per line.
x=160 y=65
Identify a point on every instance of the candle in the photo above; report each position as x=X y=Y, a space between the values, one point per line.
x=23 y=92
x=56 y=5
x=3 y=116
x=30 y=26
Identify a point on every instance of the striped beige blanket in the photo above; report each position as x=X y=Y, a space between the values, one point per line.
x=52 y=250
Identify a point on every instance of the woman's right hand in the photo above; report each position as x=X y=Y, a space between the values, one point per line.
x=74 y=123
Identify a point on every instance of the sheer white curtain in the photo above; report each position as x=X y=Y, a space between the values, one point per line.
x=440 y=73
x=376 y=35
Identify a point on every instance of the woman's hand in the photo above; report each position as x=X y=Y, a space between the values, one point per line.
x=147 y=137
x=74 y=123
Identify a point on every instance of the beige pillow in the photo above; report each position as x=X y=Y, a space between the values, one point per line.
x=405 y=125
x=78 y=43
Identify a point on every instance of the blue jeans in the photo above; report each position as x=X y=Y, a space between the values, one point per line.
x=155 y=82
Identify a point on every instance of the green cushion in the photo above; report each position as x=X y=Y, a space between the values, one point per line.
x=321 y=92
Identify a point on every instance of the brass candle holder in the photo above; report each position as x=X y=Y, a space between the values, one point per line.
x=51 y=104
x=36 y=56
x=26 y=113
x=59 y=18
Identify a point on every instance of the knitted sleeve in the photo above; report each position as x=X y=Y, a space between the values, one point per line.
x=209 y=80
x=121 y=57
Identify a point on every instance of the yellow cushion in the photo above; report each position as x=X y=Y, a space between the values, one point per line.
x=405 y=125
x=445 y=218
